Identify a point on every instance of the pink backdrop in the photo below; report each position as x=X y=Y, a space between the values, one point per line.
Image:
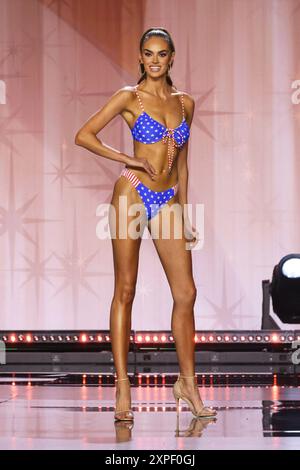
x=60 y=60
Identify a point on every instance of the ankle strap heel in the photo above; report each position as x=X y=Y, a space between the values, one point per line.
x=186 y=376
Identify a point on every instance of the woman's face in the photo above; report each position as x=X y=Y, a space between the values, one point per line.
x=156 y=56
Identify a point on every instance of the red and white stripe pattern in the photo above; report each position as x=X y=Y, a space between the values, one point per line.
x=175 y=188
x=134 y=180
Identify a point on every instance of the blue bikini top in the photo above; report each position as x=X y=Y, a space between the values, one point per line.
x=149 y=131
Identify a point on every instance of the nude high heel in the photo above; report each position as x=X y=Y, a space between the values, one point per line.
x=128 y=413
x=204 y=412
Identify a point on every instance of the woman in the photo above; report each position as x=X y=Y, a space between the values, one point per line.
x=156 y=178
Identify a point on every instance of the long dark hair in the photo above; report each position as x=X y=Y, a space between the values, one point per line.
x=163 y=33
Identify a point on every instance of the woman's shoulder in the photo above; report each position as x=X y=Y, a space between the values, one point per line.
x=188 y=100
x=126 y=90
x=186 y=96
x=124 y=95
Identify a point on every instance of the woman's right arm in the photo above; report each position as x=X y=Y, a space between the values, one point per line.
x=87 y=136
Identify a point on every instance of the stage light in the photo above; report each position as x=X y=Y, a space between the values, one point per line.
x=155 y=338
x=139 y=338
x=227 y=338
x=203 y=339
x=163 y=338
x=99 y=338
x=234 y=338
x=258 y=338
x=147 y=338
x=12 y=338
x=211 y=338
x=267 y=337
x=275 y=338
x=243 y=338
x=28 y=338
x=250 y=338
x=83 y=338
x=285 y=289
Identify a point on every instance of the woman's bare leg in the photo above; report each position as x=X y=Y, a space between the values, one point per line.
x=177 y=264
x=126 y=257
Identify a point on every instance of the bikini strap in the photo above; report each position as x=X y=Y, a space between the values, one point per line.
x=139 y=98
x=182 y=105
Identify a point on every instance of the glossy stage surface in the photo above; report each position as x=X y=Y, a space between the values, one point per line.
x=76 y=412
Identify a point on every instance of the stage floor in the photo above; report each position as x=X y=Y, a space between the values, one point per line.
x=76 y=412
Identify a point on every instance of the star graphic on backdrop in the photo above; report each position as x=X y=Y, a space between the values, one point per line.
x=262 y=211
x=107 y=174
x=13 y=220
x=59 y=4
x=12 y=52
x=200 y=113
x=36 y=269
x=76 y=94
x=223 y=317
x=62 y=171
x=5 y=131
x=143 y=289
x=75 y=270
x=39 y=47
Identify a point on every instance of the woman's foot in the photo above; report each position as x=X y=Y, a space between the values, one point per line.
x=189 y=389
x=123 y=410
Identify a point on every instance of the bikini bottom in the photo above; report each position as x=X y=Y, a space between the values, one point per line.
x=152 y=200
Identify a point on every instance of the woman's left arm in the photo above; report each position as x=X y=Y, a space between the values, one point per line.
x=183 y=175
x=182 y=164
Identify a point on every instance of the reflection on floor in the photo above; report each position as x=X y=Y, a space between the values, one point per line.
x=76 y=412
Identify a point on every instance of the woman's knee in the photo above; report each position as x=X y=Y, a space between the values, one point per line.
x=185 y=295
x=125 y=293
